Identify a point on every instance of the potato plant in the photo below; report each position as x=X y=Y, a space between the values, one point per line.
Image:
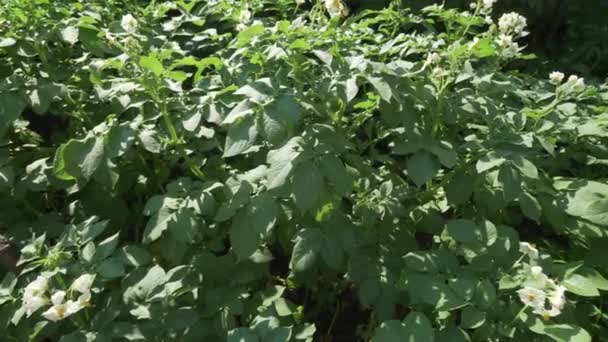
x=292 y=170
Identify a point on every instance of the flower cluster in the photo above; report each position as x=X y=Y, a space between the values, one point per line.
x=539 y=292
x=34 y=297
x=244 y=19
x=432 y=59
x=129 y=24
x=574 y=85
x=556 y=77
x=511 y=26
x=485 y=6
x=336 y=8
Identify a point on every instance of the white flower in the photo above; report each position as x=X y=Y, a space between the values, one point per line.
x=300 y=2
x=59 y=309
x=432 y=58
x=556 y=77
x=578 y=83
x=548 y=313
x=512 y=24
x=31 y=304
x=486 y=6
x=72 y=307
x=82 y=302
x=532 y=297
x=537 y=278
x=83 y=283
x=536 y=270
x=527 y=248
x=38 y=286
x=509 y=47
x=33 y=295
x=245 y=16
x=489 y=3
x=336 y=8
x=128 y=23
x=574 y=84
x=557 y=298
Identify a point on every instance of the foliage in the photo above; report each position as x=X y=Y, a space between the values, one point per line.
x=256 y=170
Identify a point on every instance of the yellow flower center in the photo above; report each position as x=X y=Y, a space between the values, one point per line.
x=60 y=311
x=531 y=297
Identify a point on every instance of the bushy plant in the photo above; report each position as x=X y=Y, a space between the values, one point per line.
x=292 y=171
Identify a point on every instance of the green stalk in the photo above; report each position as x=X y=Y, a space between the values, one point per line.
x=170 y=127
x=175 y=140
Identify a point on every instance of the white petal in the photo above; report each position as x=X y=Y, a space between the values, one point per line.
x=83 y=283
x=58 y=297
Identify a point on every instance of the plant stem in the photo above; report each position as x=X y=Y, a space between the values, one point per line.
x=519 y=314
x=175 y=140
x=333 y=320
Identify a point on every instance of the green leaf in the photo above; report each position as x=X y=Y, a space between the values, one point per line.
x=6 y=42
x=279 y=334
x=244 y=238
x=142 y=286
x=597 y=212
x=11 y=106
x=460 y=188
x=415 y=328
x=136 y=256
x=433 y=290
x=561 y=332
x=149 y=140
x=241 y=110
x=383 y=88
x=280 y=117
x=422 y=261
x=580 y=285
x=263 y=213
x=106 y=247
x=184 y=227
x=351 y=88
x=422 y=166
x=526 y=167
x=111 y=268
x=281 y=163
x=157 y=224
x=78 y=159
x=472 y=318
x=510 y=181
x=242 y=335
x=305 y=251
x=127 y=331
x=307 y=185
x=485 y=294
x=7 y=176
x=463 y=230
x=336 y=174
x=241 y=136
x=488 y=162
x=567 y=333
x=452 y=334
x=152 y=64
x=41 y=97
x=530 y=206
